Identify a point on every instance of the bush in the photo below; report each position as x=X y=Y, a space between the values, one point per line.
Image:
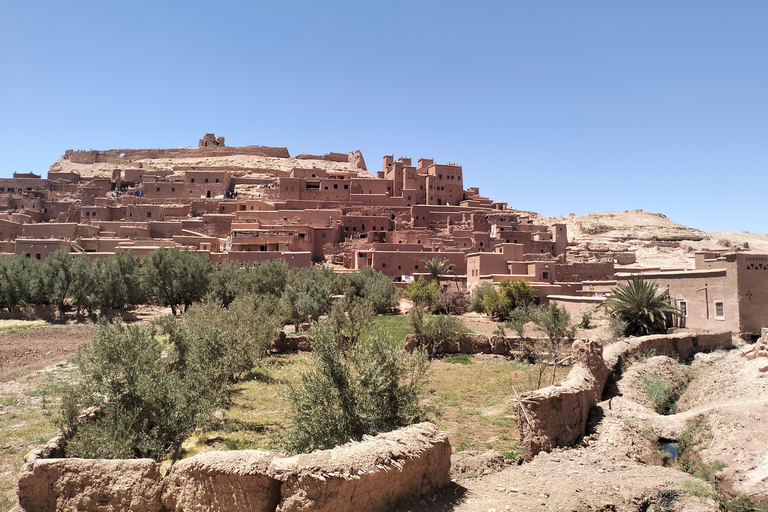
x=556 y=322
x=436 y=330
x=663 y=393
x=223 y=343
x=478 y=294
x=307 y=295
x=421 y=292
x=372 y=388
x=510 y=295
x=371 y=285
x=146 y=404
x=119 y=279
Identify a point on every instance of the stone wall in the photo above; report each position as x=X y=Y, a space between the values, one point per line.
x=557 y=415
x=370 y=475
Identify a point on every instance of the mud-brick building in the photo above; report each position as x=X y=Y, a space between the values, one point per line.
x=725 y=291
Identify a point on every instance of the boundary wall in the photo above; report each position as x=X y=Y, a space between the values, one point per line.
x=557 y=415
x=370 y=475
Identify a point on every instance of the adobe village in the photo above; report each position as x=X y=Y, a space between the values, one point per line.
x=520 y=376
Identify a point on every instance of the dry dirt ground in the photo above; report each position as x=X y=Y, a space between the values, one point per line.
x=23 y=351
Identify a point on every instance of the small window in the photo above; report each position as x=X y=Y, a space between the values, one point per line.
x=346 y=187
x=217 y=180
x=192 y=180
x=173 y=189
x=322 y=235
x=383 y=265
x=335 y=185
x=38 y=256
x=206 y=180
x=399 y=267
x=719 y=310
x=545 y=275
x=683 y=308
x=87 y=214
x=149 y=214
x=158 y=189
x=416 y=267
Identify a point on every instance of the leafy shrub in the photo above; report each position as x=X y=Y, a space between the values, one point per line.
x=307 y=295
x=436 y=330
x=556 y=322
x=119 y=279
x=372 y=388
x=586 y=319
x=478 y=294
x=511 y=294
x=147 y=404
x=421 y=292
x=371 y=285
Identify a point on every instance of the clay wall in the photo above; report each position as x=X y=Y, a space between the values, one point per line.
x=371 y=475
x=164 y=229
x=310 y=217
x=124 y=156
x=40 y=249
x=216 y=224
x=752 y=282
x=398 y=263
x=9 y=230
x=601 y=270
x=700 y=291
x=292 y=259
x=145 y=212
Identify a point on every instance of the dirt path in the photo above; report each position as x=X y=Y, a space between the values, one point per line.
x=25 y=351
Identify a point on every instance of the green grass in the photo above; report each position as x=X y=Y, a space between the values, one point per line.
x=458 y=359
x=474 y=403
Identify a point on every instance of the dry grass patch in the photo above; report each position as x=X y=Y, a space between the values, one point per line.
x=27 y=409
x=473 y=402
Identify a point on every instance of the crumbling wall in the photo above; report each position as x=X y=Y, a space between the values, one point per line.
x=125 y=156
x=469 y=344
x=370 y=475
x=557 y=415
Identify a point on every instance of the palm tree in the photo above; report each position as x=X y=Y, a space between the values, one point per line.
x=438 y=268
x=640 y=304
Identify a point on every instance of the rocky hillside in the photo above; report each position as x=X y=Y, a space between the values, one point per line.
x=655 y=240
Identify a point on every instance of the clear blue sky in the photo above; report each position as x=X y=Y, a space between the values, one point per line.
x=553 y=106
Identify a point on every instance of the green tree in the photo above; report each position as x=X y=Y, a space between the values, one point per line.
x=177 y=278
x=510 y=295
x=421 y=292
x=368 y=284
x=439 y=268
x=58 y=278
x=119 y=279
x=306 y=296
x=641 y=306
x=350 y=318
x=226 y=282
x=84 y=284
x=434 y=331
x=14 y=282
x=269 y=277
